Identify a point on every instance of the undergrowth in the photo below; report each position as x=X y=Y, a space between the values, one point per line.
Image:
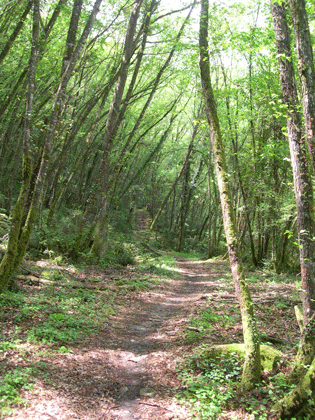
x=11 y=384
x=211 y=388
x=209 y=383
x=54 y=314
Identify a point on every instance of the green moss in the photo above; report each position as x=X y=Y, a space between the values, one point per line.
x=270 y=357
x=300 y=399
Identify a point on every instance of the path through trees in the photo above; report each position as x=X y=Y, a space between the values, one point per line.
x=128 y=369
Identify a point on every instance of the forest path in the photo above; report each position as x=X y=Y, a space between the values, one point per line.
x=146 y=339
x=127 y=371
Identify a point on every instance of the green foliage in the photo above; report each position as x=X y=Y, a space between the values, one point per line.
x=209 y=391
x=57 y=238
x=58 y=328
x=10 y=386
x=204 y=321
x=64 y=350
x=75 y=313
x=211 y=384
x=4 y=224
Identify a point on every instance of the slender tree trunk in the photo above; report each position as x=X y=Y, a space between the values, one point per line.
x=292 y=403
x=177 y=178
x=211 y=218
x=183 y=206
x=306 y=70
x=302 y=182
x=155 y=85
x=237 y=166
x=252 y=365
x=28 y=212
x=100 y=243
x=10 y=260
x=152 y=154
x=16 y=31
x=72 y=34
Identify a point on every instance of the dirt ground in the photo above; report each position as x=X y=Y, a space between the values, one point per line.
x=128 y=370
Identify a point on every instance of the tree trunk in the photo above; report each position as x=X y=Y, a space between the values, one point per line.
x=237 y=166
x=306 y=70
x=10 y=260
x=294 y=401
x=100 y=242
x=176 y=179
x=27 y=213
x=302 y=182
x=252 y=365
x=16 y=31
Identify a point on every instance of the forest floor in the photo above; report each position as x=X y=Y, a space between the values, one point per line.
x=141 y=329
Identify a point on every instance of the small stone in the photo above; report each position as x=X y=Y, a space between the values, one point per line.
x=123 y=390
x=147 y=392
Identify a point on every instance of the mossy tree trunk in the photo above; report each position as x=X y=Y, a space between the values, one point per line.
x=301 y=178
x=112 y=124
x=234 y=139
x=306 y=70
x=26 y=208
x=12 y=257
x=303 y=371
x=252 y=366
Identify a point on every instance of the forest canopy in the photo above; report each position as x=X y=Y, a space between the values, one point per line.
x=159 y=127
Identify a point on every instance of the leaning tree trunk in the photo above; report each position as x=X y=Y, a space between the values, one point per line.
x=25 y=212
x=292 y=404
x=100 y=236
x=252 y=365
x=16 y=31
x=10 y=261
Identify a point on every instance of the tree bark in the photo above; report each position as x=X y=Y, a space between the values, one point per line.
x=237 y=166
x=295 y=400
x=306 y=70
x=16 y=31
x=10 y=260
x=302 y=181
x=33 y=195
x=252 y=366
x=176 y=179
x=100 y=242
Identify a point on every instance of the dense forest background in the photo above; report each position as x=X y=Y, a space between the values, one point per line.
x=142 y=125
x=106 y=145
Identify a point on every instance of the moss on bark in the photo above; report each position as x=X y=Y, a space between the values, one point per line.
x=8 y=263
x=252 y=365
x=270 y=357
x=306 y=351
x=99 y=246
x=300 y=399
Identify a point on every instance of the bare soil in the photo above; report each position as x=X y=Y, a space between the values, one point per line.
x=128 y=370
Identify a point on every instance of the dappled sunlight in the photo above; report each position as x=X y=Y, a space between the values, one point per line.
x=129 y=363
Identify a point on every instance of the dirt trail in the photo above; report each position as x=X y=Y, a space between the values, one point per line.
x=128 y=370
x=148 y=338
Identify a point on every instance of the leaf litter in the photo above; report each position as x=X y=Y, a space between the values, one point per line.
x=126 y=367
